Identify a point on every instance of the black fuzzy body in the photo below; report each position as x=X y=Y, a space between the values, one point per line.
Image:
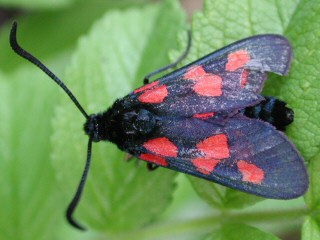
x=271 y=110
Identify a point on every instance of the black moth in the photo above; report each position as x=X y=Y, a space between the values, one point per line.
x=205 y=119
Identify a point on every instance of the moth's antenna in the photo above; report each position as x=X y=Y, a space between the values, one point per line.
x=74 y=203
x=23 y=53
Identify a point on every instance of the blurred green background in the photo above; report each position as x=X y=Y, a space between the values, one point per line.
x=102 y=50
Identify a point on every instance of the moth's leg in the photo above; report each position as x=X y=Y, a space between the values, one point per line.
x=151 y=167
x=172 y=65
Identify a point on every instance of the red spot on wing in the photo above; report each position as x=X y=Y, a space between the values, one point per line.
x=194 y=72
x=244 y=78
x=237 y=60
x=162 y=146
x=203 y=115
x=205 y=166
x=250 y=172
x=147 y=86
x=154 y=159
x=155 y=95
x=215 y=147
x=209 y=85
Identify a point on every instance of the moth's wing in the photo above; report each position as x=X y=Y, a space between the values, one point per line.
x=224 y=81
x=241 y=153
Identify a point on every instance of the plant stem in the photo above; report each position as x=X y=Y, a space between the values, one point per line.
x=208 y=224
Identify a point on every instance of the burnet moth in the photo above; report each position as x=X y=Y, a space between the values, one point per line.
x=206 y=119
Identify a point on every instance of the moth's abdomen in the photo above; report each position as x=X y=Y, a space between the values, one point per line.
x=273 y=111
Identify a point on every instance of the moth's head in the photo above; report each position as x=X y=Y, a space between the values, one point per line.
x=92 y=128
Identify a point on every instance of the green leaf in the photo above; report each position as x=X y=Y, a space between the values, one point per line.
x=312 y=197
x=302 y=90
x=221 y=24
x=48 y=38
x=61 y=5
x=221 y=197
x=310 y=229
x=36 y=3
x=29 y=195
x=108 y=63
x=240 y=231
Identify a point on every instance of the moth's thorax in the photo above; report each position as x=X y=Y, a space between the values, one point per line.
x=118 y=125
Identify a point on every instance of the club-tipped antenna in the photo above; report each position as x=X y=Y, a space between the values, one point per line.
x=23 y=53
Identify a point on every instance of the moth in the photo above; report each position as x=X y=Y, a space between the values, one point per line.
x=207 y=119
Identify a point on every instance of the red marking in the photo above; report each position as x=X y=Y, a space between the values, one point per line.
x=205 y=166
x=194 y=72
x=162 y=146
x=244 y=78
x=147 y=86
x=155 y=95
x=209 y=85
x=250 y=172
x=203 y=115
x=237 y=60
x=215 y=147
x=154 y=159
